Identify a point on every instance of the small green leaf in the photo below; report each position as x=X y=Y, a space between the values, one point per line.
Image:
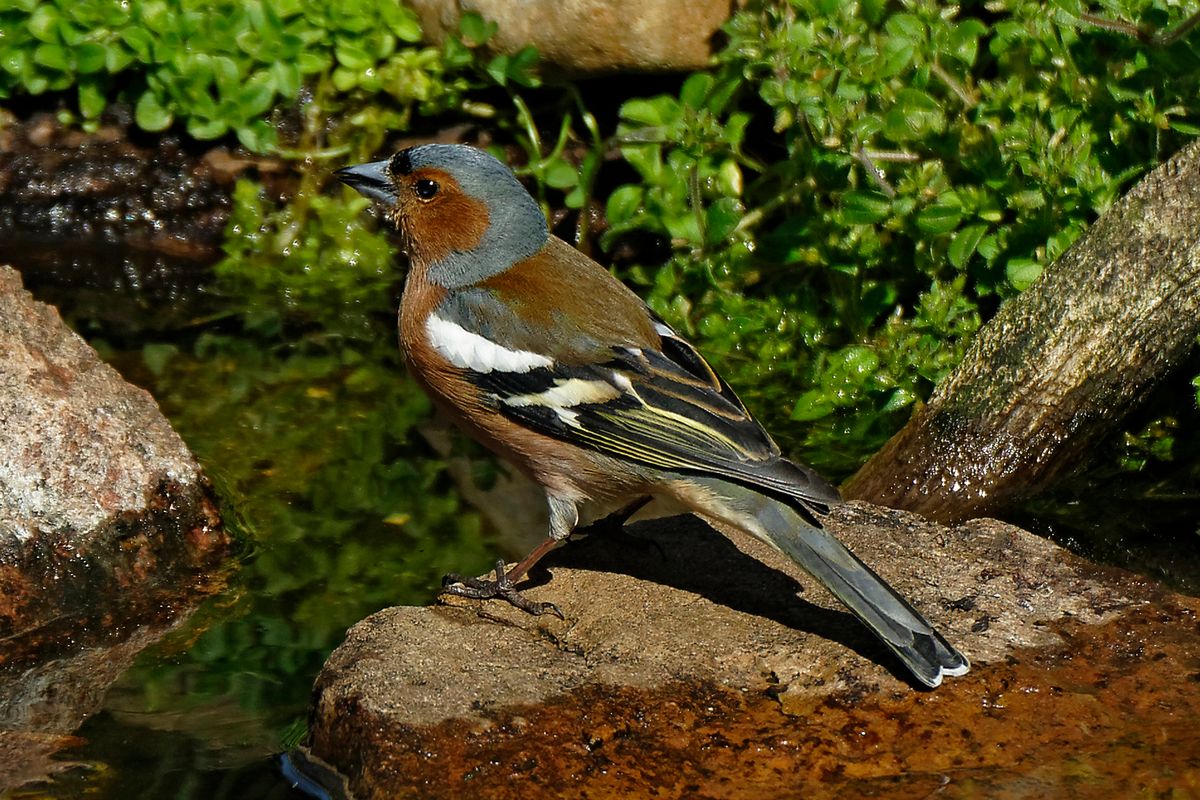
x=660 y=111
x=623 y=203
x=91 y=99
x=812 y=405
x=915 y=115
x=43 y=23
x=206 y=129
x=561 y=175
x=1022 y=272
x=964 y=40
x=311 y=62
x=353 y=56
x=964 y=244
x=575 y=198
x=942 y=215
x=897 y=400
x=853 y=364
x=258 y=136
x=140 y=41
x=695 y=90
x=905 y=26
x=895 y=57
x=402 y=21
x=150 y=114
x=287 y=78
x=523 y=68
x=729 y=178
x=53 y=56
x=475 y=29
x=865 y=208
x=719 y=97
x=497 y=68
x=721 y=219
x=90 y=57
x=255 y=97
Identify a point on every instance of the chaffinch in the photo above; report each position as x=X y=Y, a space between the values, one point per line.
x=552 y=363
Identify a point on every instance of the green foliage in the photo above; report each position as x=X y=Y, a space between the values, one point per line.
x=314 y=447
x=216 y=66
x=687 y=152
x=1154 y=442
x=310 y=262
x=924 y=161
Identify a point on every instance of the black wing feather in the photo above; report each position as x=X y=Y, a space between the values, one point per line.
x=672 y=412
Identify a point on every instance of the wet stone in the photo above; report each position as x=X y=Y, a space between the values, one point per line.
x=109 y=534
x=122 y=227
x=689 y=668
x=59 y=185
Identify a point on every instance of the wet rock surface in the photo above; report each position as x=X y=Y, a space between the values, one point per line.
x=125 y=229
x=62 y=187
x=587 y=37
x=108 y=530
x=686 y=667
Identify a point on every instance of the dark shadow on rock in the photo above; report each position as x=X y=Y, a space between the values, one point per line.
x=685 y=553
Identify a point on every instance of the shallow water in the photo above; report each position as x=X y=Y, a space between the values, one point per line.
x=345 y=503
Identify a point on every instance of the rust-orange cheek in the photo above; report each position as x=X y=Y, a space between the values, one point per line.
x=451 y=223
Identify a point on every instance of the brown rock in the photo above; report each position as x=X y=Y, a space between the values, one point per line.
x=108 y=532
x=687 y=668
x=592 y=36
x=28 y=757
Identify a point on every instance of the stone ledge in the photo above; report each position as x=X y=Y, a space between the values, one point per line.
x=678 y=645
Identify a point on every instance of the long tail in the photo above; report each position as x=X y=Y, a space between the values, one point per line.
x=901 y=627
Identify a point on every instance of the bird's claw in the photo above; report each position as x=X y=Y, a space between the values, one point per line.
x=502 y=587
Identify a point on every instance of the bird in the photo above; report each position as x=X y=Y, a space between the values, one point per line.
x=551 y=362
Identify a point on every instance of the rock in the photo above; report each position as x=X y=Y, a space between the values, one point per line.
x=125 y=230
x=591 y=36
x=62 y=187
x=108 y=531
x=687 y=668
x=28 y=757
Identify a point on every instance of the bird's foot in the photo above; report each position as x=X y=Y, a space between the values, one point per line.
x=502 y=587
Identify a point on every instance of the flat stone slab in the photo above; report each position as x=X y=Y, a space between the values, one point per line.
x=687 y=667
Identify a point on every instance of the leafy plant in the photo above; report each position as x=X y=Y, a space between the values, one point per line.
x=216 y=67
x=921 y=163
x=310 y=264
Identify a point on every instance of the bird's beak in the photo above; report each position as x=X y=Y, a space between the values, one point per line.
x=371 y=180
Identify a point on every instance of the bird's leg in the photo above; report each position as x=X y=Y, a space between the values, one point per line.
x=563 y=518
x=615 y=522
x=614 y=525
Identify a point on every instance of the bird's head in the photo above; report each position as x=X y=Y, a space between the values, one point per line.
x=463 y=215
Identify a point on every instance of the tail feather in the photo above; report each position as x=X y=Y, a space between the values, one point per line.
x=889 y=616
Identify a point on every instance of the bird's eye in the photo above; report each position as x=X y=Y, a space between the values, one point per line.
x=426 y=188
